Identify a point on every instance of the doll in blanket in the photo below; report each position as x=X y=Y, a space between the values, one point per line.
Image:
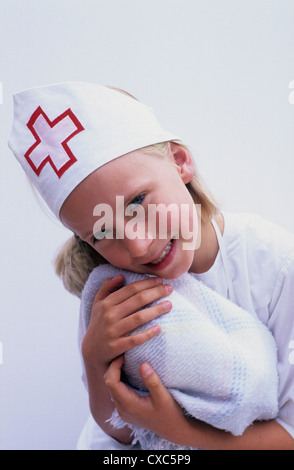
x=217 y=360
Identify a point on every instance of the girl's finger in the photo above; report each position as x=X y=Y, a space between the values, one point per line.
x=112 y=377
x=134 y=288
x=119 y=391
x=142 y=317
x=113 y=372
x=153 y=383
x=127 y=343
x=108 y=287
x=143 y=298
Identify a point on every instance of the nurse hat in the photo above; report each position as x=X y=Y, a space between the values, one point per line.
x=63 y=132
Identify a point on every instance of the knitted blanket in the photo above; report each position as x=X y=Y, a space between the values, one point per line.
x=217 y=360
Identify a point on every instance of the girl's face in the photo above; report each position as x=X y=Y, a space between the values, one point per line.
x=135 y=231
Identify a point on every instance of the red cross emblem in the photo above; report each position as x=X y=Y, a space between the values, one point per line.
x=51 y=141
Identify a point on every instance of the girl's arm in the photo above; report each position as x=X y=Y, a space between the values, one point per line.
x=107 y=337
x=160 y=413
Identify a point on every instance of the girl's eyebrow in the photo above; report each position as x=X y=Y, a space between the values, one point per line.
x=136 y=191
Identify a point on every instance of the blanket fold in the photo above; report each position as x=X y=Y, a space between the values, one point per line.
x=217 y=360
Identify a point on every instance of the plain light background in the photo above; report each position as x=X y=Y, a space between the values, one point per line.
x=217 y=72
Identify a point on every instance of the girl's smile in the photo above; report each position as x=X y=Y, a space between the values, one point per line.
x=165 y=258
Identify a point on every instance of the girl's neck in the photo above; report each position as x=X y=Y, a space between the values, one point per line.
x=206 y=254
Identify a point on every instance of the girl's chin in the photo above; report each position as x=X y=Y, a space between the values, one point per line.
x=176 y=269
x=174 y=274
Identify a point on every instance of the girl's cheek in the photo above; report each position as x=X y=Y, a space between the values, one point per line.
x=164 y=221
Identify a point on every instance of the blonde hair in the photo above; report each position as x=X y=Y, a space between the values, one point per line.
x=77 y=259
x=74 y=263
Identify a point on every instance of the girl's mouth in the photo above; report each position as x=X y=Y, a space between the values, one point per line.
x=165 y=258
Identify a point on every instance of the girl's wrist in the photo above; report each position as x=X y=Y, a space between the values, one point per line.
x=91 y=359
x=93 y=366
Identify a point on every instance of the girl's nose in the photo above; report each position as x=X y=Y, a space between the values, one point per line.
x=138 y=247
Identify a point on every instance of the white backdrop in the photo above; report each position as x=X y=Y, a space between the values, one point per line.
x=217 y=72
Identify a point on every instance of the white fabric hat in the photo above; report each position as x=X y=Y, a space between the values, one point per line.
x=63 y=132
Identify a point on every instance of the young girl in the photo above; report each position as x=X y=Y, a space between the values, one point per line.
x=68 y=138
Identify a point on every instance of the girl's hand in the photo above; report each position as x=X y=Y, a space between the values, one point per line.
x=116 y=312
x=157 y=411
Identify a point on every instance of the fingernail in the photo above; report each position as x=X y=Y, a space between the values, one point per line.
x=146 y=370
x=168 y=288
x=167 y=304
x=159 y=280
x=157 y=329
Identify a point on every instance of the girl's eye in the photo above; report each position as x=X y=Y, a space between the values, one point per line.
x=137 y=200
x=100 y=235
x=133 y=204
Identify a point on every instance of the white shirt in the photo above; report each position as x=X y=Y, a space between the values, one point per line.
x=257 y=258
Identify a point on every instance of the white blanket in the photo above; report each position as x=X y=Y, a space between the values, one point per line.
x=217 y=360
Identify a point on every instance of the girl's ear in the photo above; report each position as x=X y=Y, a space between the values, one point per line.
x=183 y=161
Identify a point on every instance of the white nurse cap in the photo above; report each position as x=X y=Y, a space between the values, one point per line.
x=63 y=132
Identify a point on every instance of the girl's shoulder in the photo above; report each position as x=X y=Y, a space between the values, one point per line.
x=257 y=237
x=259 y=252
